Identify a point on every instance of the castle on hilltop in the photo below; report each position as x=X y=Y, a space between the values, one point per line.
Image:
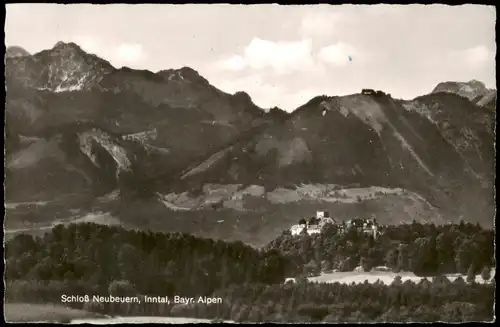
x=377 y=93
x=312 y=225
x=315 y=225
x=366 y=225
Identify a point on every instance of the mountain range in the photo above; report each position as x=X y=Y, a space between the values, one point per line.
x=169 y=151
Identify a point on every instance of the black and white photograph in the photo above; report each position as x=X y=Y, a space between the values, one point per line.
x=265 y=163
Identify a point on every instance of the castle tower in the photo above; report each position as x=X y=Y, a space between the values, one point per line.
x=322 y=214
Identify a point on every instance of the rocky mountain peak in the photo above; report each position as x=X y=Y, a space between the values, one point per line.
x=474 y=90
x=65 y=67
x=277 y=113
x=184 y=74
x=243 y=96
x=16 y=51
x=66 y=46
x=477 y=84
x=470 y=89
x=72 y=52
x=189 y=72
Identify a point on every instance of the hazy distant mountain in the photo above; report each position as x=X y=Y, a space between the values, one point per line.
x=473 y=90
x=16 y=51
x=169 y=151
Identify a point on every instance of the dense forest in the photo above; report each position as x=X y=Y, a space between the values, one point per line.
x=424 y=249
x=155 y=263
x=430 y=300
x=91 y=259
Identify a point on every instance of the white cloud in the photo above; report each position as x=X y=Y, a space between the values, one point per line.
x=234 y=63
x=478 y=56
x=338 y=54
x=263 y=61
x=474 y=57
x=130 y=52
x=281 y=57
x=266 y=94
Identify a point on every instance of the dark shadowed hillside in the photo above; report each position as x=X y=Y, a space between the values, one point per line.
x=432 y=145
x=182 y=116
x=169 y=151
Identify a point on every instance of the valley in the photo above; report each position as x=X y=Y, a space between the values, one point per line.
x=228 y=212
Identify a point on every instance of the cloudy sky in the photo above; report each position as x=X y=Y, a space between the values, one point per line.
x=280 y=55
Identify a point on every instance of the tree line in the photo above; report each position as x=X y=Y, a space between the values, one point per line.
x=93 y=259
x=424 y=249
x=157 y=264
x=432 y=300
